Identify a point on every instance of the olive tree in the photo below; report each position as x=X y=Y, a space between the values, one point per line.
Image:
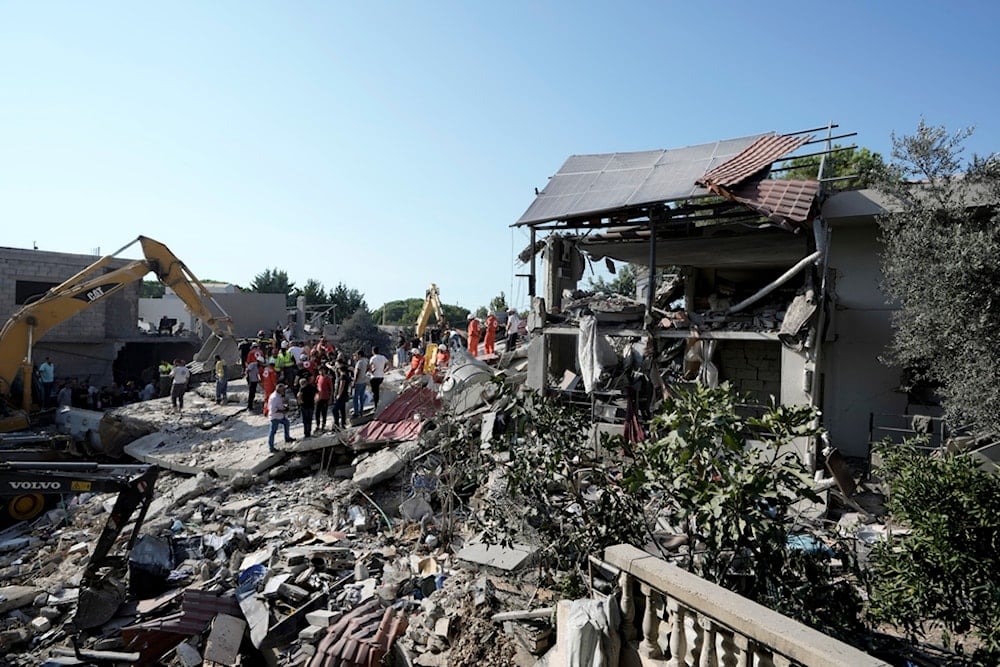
x=941 y=264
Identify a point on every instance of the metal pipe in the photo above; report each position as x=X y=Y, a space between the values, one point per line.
x=781 y=280
x=532 y=274
x=651 y=285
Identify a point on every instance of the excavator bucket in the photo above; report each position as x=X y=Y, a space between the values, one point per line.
x=224 y=346
x=98 y=602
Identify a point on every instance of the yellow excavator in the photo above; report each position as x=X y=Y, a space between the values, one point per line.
x=432 y=304
x=89 y=286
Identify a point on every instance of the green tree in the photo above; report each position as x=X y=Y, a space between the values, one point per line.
x=498 y=304
x=941 y=265
x=314 y=293
x=457 y=316
x=943 y=573
x=152 y=289
x=347 y=301
x=623 y=283
x=359 y=332
x=859 y=162
x=274 y=281
x=397 y=312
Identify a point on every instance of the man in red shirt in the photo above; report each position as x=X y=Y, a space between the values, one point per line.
x=324 y=390
x=269 y=381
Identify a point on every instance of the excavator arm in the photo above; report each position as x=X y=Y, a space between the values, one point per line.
x=101 y=588
x=93 y=284
x=432 y=304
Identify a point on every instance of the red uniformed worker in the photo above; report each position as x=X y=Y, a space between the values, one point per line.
x=474 y=330
x=489 y=342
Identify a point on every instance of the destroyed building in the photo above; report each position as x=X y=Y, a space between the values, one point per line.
x=771 y=285
x=86 y=345
x=116 y=338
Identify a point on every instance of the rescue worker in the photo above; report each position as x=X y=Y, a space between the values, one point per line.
x=221 y=382
x=443 y=357
x=286 y=364
x=474 y=330
x=416 y=363
x=255 y=354
x=489 y=342
x=268 y=381
x=166 y=378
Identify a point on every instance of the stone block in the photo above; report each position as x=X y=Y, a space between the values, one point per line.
x=223 y=645
x=496 y=556
x=311 y=633
x=323 y=617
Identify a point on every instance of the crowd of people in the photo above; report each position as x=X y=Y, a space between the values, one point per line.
x=323 y=379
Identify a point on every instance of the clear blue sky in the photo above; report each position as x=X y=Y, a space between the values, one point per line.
x=387 y=145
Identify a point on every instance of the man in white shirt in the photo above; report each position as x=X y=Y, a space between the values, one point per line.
x=513 y=324
x=360 y=382
x=377 y=366
x=180 y=375
x=276 y=413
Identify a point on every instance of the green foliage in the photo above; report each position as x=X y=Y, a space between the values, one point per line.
x=151 y=289
x=359 y=331
x=402 y=312
x=457 y=316
x=623 y=283
x=734 y=502
x=348 y=301
x=498 y=303
x=731 y=483
x=273 y=281
x=406 y=313
x=941 y=263
x=859 y=162
x=314 y=293
x=943 y=574
x=547 y=444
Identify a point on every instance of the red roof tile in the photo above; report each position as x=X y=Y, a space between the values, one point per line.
x=753 y=159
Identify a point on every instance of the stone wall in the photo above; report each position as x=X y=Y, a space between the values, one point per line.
x=752 y=367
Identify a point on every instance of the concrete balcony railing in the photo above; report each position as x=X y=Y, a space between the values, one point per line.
x=688 y=621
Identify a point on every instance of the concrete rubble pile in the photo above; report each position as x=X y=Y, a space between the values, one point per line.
x=329 y=555
x=333 y=551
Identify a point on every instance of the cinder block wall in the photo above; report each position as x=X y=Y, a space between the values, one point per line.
x=752 y=367
x=112 y=317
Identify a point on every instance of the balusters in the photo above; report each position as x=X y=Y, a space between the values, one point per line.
x=678 y=634
x=650 y=645
x=627 y=605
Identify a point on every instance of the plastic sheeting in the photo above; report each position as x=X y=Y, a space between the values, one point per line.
x=593 y=633
x=593 y=352
x=698 y=359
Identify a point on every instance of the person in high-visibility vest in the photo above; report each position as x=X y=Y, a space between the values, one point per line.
x=166 y=378
x=474 y=330
x=489 y=342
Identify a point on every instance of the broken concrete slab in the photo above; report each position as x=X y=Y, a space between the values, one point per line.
x=15 y=597
x=509 y=559
x=237 y=447
x=384 y=464
x=223 y=645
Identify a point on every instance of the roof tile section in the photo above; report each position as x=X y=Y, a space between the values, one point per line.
x=780 y=201
x=402 y=419
x=589 y=185
x=752 y=160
